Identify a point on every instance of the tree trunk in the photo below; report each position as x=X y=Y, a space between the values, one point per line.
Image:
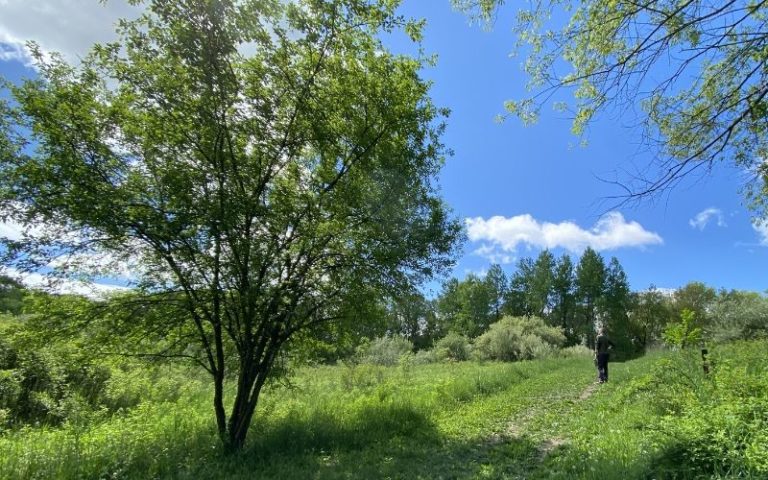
x=253 y=375
x=218 y=406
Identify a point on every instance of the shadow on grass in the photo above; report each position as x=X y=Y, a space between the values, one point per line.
x=386 y=441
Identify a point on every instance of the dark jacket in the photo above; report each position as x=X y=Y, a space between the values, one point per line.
x=603 y=344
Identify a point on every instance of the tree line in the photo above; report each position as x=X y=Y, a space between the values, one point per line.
x=575 y=295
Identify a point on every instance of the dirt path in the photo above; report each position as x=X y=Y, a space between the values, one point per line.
x=517 y=428
x=591 y=388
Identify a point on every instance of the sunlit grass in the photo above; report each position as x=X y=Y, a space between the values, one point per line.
x=538 y=419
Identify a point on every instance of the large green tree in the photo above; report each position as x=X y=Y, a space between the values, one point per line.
x=698 y=69
x=739 y=315
x=256 y=192
x=697 y=298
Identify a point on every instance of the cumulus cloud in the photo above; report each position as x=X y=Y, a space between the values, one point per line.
x=702 y=219
x=493 y=255
x=504 y=235
x=66 y=26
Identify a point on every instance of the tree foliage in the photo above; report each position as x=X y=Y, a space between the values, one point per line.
x=254 y=192
x=650 y=311
x=738 y=315
x=467 y=306
x=697 y=68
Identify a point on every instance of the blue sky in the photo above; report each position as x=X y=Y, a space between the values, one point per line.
x=519 y=189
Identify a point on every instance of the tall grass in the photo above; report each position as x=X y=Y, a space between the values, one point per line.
x=328 y=416
x=536 y=419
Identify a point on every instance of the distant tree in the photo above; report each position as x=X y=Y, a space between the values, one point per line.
x=696 y=297
x=531 y=286
x=541 y=288
x=465 y=306
x=498 y=285
x=651 y=311
x=616 y=304
x=563 y=284
x=590 y=288
x=11 y=295
x=449 y=304
x=257 y=193
x=738 y=315
x=518 y=302
x=477 y=301
x=412 y=316
x=696 y=67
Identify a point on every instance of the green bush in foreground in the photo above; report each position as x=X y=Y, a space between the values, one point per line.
x=716 y=423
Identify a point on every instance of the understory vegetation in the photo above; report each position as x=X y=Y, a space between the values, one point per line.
x=516 y=401
x=661 y=416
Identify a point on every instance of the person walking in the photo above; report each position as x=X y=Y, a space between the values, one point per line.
x=602 y=346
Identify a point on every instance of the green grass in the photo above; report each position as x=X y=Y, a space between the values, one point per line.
x=440 y=421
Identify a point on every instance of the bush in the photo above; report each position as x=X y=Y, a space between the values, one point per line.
x=518 y=338
x=384 y=350
x=454 y=347
x=717 y=423
x=424 y=357
x=684 y=333
x=575 y=351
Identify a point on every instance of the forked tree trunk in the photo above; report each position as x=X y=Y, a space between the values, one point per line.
x=234 y=430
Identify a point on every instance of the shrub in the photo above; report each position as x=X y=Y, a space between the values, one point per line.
x=575 y=351
x=424 y=357
x=454 y=347
x=518 y=338
x=49 y=384
x=684 y=333
x=385 y=350
x=717 y=422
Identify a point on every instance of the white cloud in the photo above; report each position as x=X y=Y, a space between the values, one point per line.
x=762 y=230
x=56 y=285
x=15 y=231
x=702 y=219
x=66 y=26
x=493 y=255
x=612 y=231
x=11 y=230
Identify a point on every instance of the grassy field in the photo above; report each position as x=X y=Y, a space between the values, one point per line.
x=538 y=419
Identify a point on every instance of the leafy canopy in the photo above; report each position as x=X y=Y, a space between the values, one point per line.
x=697 y=68
x=255 y=162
